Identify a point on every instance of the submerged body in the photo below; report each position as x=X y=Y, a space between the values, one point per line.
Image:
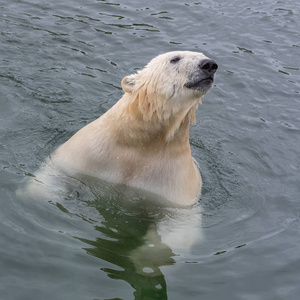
x=143 y=140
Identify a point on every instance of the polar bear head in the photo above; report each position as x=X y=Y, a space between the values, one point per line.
x=171 y=82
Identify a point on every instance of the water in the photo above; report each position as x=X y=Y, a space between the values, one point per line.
x=61 y=67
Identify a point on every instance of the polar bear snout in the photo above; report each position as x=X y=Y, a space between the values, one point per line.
x=202 y=78
x=208 y=66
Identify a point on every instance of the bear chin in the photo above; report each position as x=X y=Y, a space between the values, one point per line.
x=202 y=85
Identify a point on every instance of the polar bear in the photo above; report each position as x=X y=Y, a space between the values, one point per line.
x=143 y=140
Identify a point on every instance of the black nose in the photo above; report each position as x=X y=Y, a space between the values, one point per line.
x=209 y=66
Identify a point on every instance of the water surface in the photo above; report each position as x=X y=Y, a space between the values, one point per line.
x=61 y=67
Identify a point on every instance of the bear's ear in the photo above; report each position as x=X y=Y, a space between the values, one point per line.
x=128 y=83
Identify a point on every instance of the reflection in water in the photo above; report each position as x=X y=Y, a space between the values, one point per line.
x=130 y=240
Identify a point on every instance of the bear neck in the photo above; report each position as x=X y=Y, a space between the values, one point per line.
x=154 y=135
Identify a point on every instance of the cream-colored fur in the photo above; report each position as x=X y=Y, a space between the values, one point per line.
x=143 y=140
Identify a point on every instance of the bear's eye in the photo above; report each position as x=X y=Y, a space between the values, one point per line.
x=175 y=59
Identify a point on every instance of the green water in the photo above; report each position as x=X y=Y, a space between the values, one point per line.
x=61 y=67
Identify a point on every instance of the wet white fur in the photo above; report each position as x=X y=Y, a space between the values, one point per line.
x=143 y=140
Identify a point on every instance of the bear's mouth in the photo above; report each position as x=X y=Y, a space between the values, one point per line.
x=203 y=84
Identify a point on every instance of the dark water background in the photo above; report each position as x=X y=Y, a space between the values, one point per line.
x=61 y=67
